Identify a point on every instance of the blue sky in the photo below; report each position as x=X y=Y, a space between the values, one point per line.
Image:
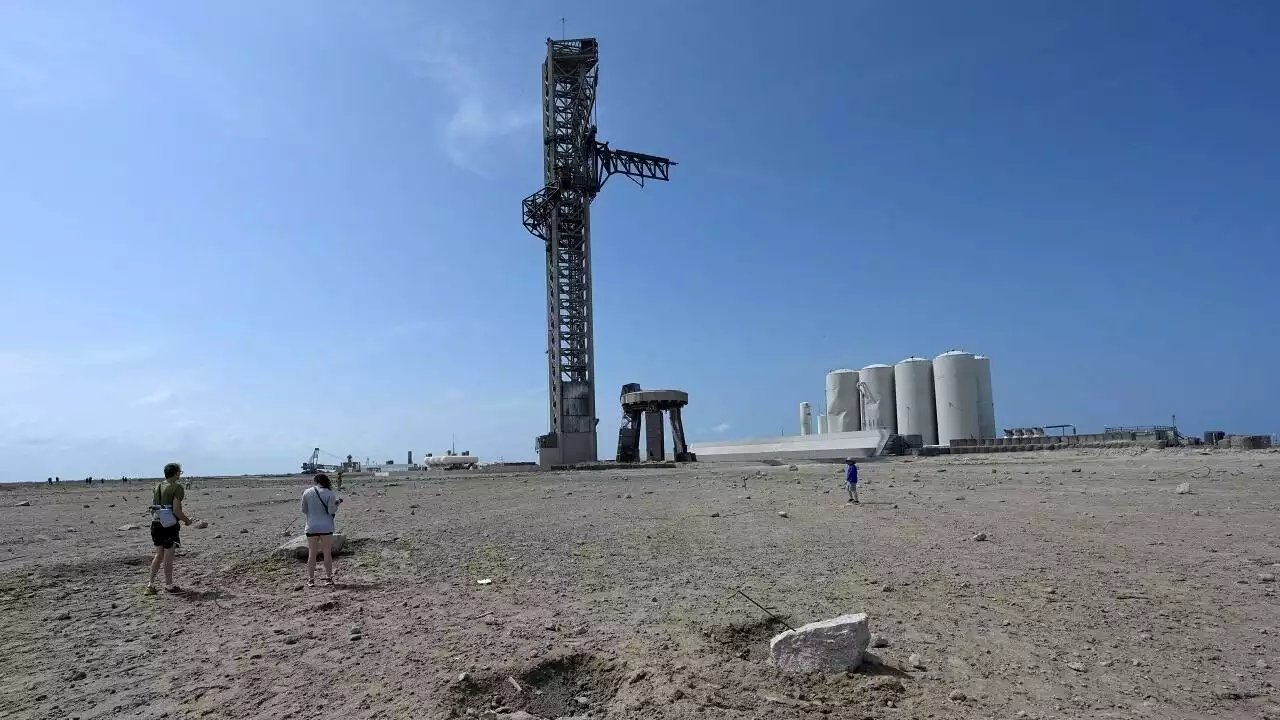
x=234 y=231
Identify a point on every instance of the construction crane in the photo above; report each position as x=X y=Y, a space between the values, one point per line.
x=313 y=465
x=575 y=168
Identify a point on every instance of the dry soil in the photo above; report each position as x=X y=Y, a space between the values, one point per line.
x=1099 y=592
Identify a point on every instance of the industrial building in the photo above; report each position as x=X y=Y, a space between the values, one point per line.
x=915 y=403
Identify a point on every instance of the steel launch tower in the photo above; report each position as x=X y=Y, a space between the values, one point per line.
x=575 y=167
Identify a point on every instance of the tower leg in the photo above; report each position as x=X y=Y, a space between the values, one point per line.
x=654 y=440
x=680 y=447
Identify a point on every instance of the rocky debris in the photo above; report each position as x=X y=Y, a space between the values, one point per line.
x=1183 y=489
x=1078 y=667
x=245 y=531
x=715 y=514
x=916 y=661
x=879 y=641
x=202 y=524
x=1266 y=577
x=1075 y=470
x=782 y=513
x=24 y=503
x=980 y=537
x=834 y=645
x=793 y=467
x=957 y=696
x=297 y=547
x=130 y=526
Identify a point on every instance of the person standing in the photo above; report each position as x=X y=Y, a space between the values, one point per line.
x=166 y=512
x=851 y=479
x=320 y=506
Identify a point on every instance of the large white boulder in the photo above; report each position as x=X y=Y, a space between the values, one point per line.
x=297 y=547
x=834 y=645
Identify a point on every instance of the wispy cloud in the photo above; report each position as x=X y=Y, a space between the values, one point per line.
x=722 y=427
x=155 y=398
x=479 y=120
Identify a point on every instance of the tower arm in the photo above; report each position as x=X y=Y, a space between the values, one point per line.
x=536 y=211
x=637 y=166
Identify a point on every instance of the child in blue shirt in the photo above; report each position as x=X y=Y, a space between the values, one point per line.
x=851 y=480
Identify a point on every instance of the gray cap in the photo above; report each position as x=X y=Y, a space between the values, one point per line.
x=850 y=461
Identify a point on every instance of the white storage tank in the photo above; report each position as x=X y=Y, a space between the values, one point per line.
x=806 y=419
x=879 y=408
x=955 y=385
x=986 y=405
x=823 y=427
x=913 y=384
x=844 y=412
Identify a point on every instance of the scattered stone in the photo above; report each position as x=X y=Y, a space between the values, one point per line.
x=1266 y=577
x=1078 y=667
x=637 y=676
x=291 y=640
x=782 y=513
x=886 y=588
x=1106 y=663
x=879 y=641
x=202 y=524
x=130 y=526
x=245 y=531
x=77 y=676
x=1262 y=664
x=86 y=507
x=1183 y=489
x=1074 y=470
x=916 y=661
x=464 y=676
x=715 y=514
x=793 y=467
x=297 y=547
x=834 y=645
x=24 y=503
x=957 y=696
x=980 y=537
x=64 y=615
x=627 y=496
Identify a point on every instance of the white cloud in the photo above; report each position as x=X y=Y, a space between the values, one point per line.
x=155 y=398
x=722 y=427
x=478 y=120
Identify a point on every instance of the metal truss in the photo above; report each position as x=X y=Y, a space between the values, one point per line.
x=575 y=168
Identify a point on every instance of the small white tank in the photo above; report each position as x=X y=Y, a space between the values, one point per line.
x=823 y=426
x=843 y=405
x=913 y=385
x=955 y=385
x=986 y=405
x=879 y=406
x=806 y=419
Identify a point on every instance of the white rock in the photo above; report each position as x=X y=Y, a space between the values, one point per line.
x=297 y=547
x=24 y=503
x=834 y=645
x=782 y=513
x=1183 y=489
x=916 y=661
x=130 y=526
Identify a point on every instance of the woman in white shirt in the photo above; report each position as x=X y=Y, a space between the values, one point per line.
x=319 y=506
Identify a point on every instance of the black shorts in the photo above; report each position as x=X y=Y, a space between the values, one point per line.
x=318 y=534
x=165 y=537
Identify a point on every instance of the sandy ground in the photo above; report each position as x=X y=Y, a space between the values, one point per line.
x=1099 y=593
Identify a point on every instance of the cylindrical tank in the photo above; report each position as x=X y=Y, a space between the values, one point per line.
x=843 y=413
x=823 y=426
x=879 y=408
x=913 y=385
x=955 y=385
x=806 y=419
x=986 y=406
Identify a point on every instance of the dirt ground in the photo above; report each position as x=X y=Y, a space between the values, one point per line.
x=1099 y=592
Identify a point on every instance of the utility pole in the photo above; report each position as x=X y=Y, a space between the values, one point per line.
x=575 y=168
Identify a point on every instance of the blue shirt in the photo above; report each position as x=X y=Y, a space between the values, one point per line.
x=851 y=475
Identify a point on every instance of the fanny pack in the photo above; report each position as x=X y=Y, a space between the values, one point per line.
x=163 y=514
